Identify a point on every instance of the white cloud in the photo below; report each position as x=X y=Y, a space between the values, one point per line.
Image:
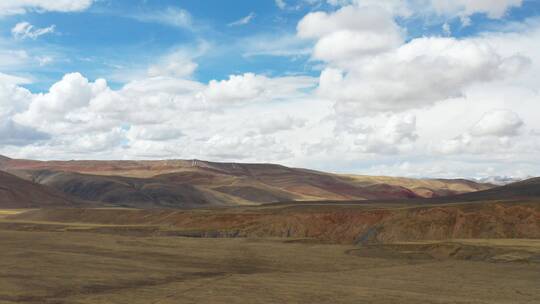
x=277 y=124
x=447 y=30
x=14 y=7
x=417 y=74
x=98 y=141
x=234 y=147
x=282 y=44
x=10 y=79
x=498 y=123
x=24 y=30
x=455 y=145
x=13 y=58
x=394 y=136
x=176 y=64
x=463 y=9
x=494 y=9
x=350 y=33
x=48 y=111
x=13 y=98
x=145 y=114
x=14 y=134
x=281 y=4
x=395 y=7
x=171 y=16
x=161 y=132
x=44 y=60
x=420 y=107
x=372 y=19
x=250 y=87
x=243 y=21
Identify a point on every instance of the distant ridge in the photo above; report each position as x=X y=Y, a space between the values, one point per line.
x=197 y=183
x=526 y=189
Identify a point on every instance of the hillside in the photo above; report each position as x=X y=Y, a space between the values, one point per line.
x=425 y=187
x=196 y=183
x=19 y=193
x=525 y=190
x=131 y=192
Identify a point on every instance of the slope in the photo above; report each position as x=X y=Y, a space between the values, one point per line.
x=18 y=193
x=196 y=182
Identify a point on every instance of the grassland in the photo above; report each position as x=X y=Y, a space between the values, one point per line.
x=45 y=262
x=7 y=212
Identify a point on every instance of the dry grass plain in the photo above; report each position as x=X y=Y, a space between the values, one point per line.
x=78 y=263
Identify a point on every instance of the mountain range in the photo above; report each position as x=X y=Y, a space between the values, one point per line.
x=197 y=183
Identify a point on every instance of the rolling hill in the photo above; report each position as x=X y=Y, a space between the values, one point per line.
x=19 y=193
x=196 y=183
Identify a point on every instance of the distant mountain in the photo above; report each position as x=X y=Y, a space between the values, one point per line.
x=196 y=183
x=527 y=189
x=19 y=193
x=500 y=180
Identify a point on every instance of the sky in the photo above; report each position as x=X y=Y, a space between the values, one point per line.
x=419 y=88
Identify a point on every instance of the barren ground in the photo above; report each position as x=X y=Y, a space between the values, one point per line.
x=89 y=263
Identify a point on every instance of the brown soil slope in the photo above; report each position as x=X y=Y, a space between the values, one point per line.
x=336 y=224
x=131 y=192
x=19 y=193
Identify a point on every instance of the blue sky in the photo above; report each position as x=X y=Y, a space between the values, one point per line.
x=116 y=33
x=412 y=87
x=112 y=34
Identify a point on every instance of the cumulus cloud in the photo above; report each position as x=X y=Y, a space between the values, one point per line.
x=72 y=92
x=425 y=105
x=250 y=87
x=141 y=116
x=24 y=30
x=494 y=131
x=276 y=124
x=13 y=7
x=417 y=74
x=498 y=123
x=458 y=144
x=13 y=98
x=161 y=132
x=350 y=32
x=6 y=79
x=245 y=147
x=97 y=141
x=395 y=135
x=12 y=133
x=370 y=68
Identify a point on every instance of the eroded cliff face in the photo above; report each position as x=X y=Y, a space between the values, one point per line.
x=455 y=222
x=334 y=225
